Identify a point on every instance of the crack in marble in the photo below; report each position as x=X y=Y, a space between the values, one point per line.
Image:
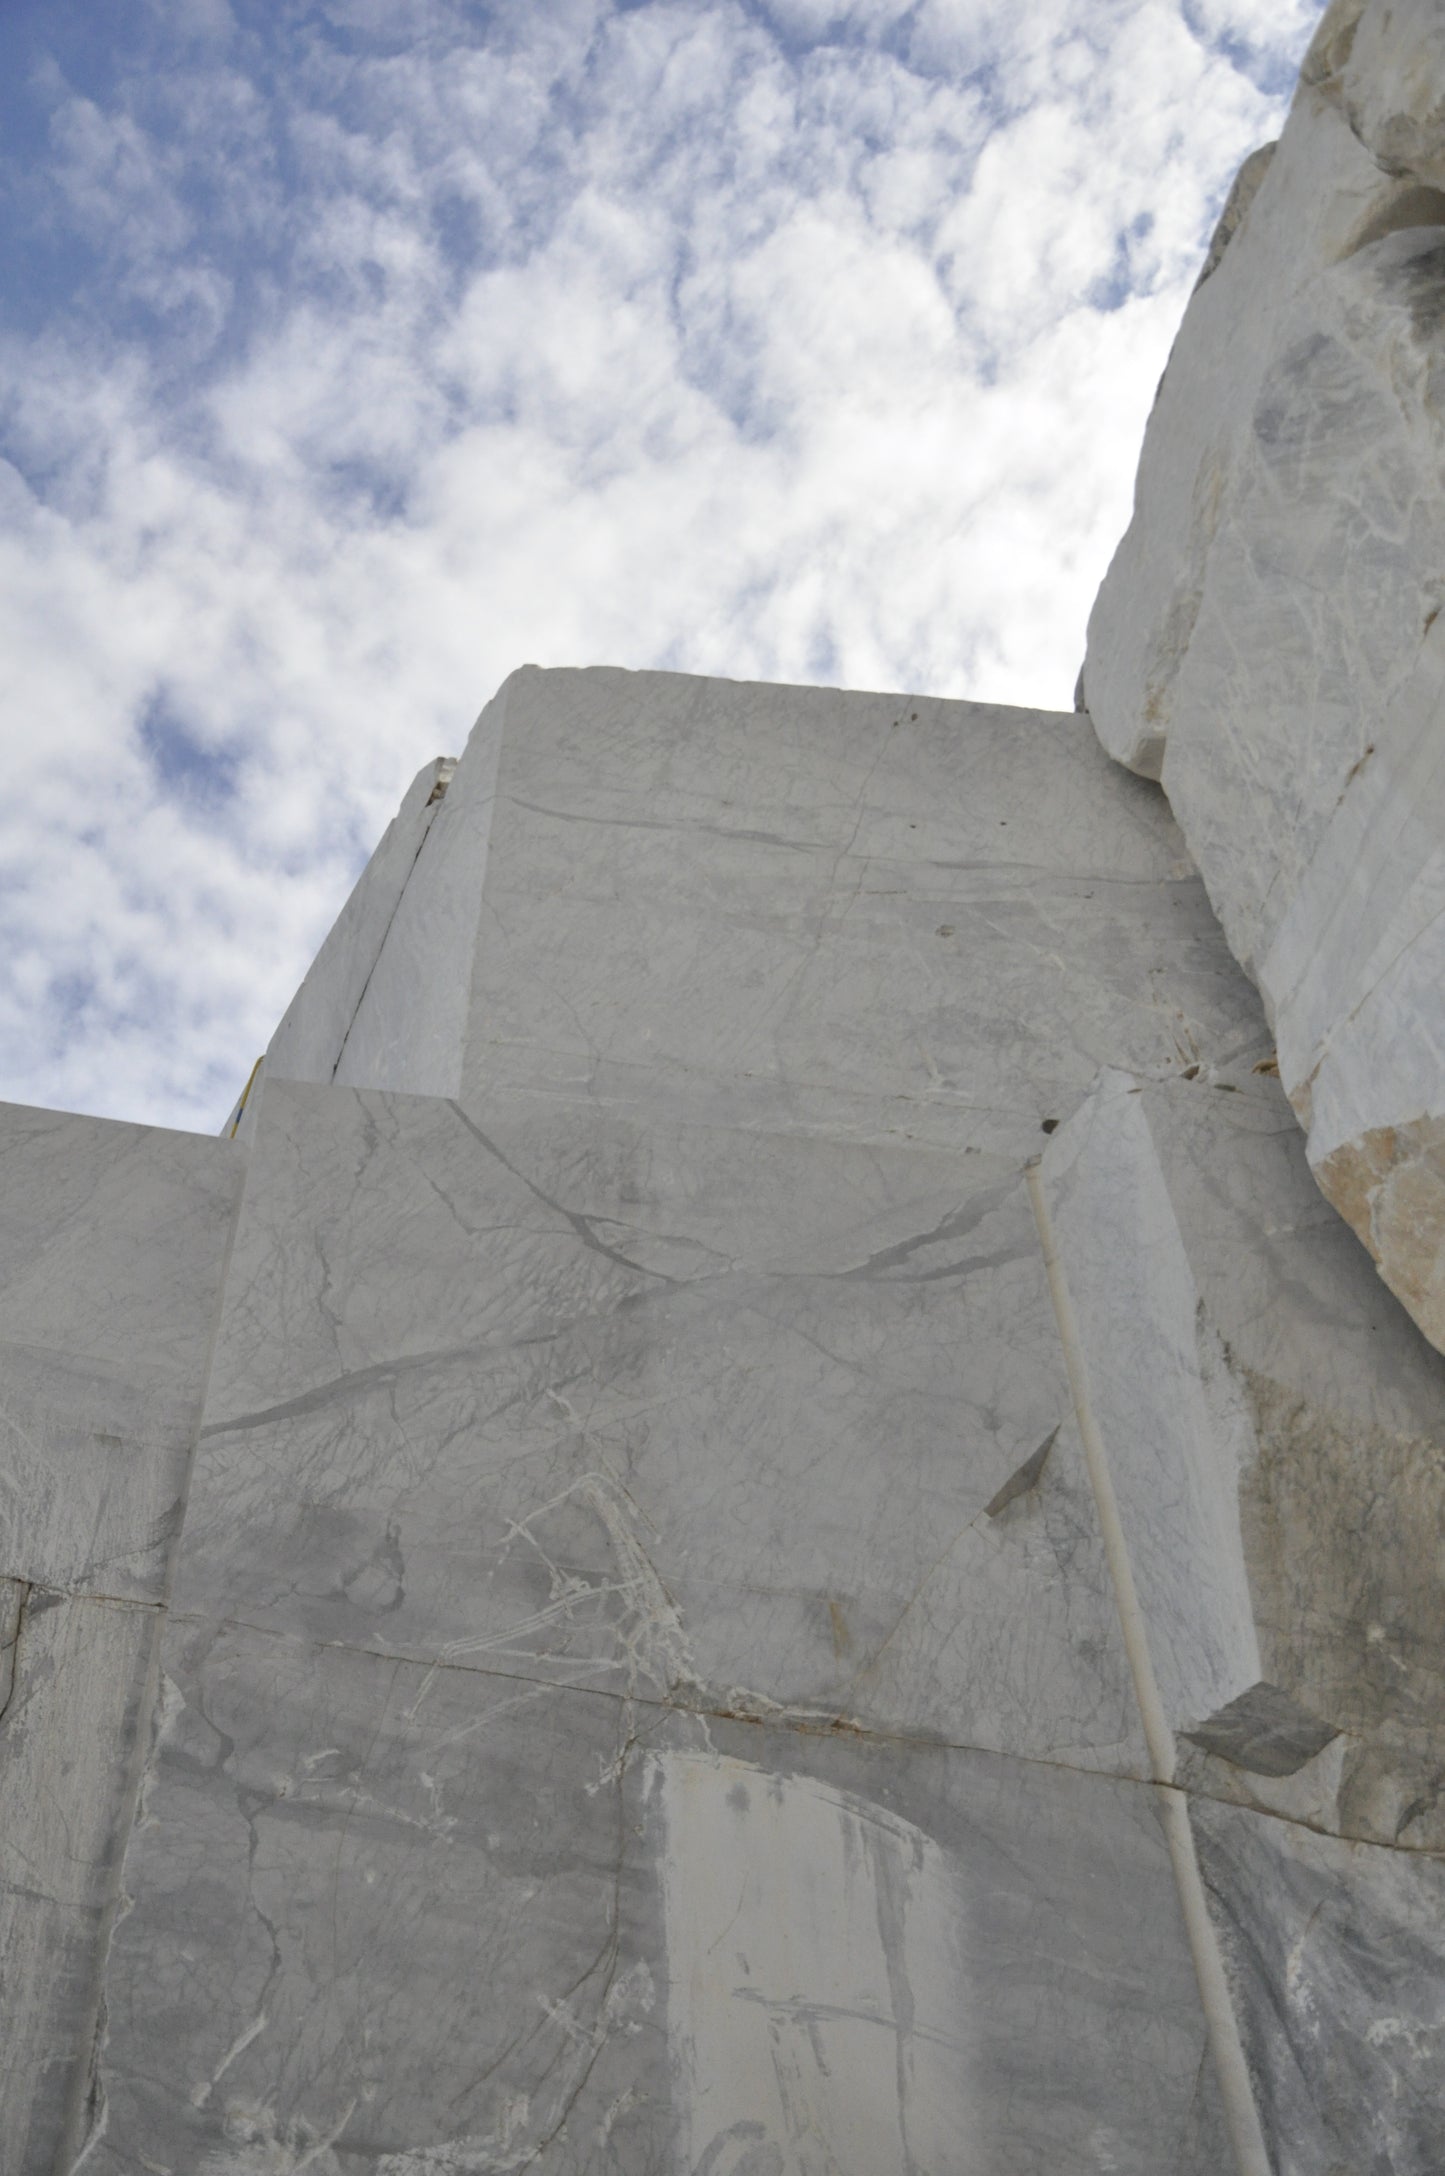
x=581 y=1225
x=822 y=1722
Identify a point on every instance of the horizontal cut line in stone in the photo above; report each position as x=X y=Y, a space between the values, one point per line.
x=800 y=1724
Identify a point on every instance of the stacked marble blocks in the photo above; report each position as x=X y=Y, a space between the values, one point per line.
x=1269 y=636
x=805 y=1546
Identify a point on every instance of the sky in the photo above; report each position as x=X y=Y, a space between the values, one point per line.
x=355 y=353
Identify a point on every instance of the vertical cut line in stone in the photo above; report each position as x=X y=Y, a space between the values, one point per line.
x=1158 y=1737
x=1230 y=2064
x=86 y=2109
x=1231 y=2068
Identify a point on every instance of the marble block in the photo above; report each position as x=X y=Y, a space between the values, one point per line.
x=1275 y=1432
x=112 y=1251
x=1334 y=1954
x=723 y=1419
x=397 y=1919
x=310 y=1040
x=410 y=1026
x=792 y=1484
x=794 y=909
x=1267 y=638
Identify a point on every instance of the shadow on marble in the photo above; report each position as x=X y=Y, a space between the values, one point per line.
x=1334 y=1956
x=1274 y=1427
x=75 y=1696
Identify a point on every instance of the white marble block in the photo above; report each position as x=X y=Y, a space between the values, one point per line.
x=113 y=1243
x=731 y=1619
x=1267 y=638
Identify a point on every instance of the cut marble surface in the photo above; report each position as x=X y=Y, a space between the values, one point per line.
x=866 y=914
x=1267 y=634
x=75 y=1693
x=113 y=1242
x=386 y=1919
x=112 y=1251
x=1334 y=1951
x=410 y=1025
x=1276 y=1434
x=794 y=909
x=643 y=1649
x=706 y=1416
x=1172 y=1453
x=1391 y=63
x=406 y=1920
x=312 y=1035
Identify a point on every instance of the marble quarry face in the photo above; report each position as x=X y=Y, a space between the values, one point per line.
x=757 y=1524
x=754 y=1519
x=1268 y=639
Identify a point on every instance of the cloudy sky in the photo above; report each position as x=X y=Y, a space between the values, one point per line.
x=355 y=352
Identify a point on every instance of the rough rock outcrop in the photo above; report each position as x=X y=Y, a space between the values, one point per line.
x=1269 y=638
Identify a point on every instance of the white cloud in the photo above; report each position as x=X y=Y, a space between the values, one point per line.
x=798 y=341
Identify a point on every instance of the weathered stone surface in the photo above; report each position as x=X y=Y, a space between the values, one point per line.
x=1267 y=637
x=1335 y=1955
x=408 y=1029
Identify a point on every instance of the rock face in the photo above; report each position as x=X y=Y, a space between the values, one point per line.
x=1268 y=639
x=754 y=1521
x=805 y=1546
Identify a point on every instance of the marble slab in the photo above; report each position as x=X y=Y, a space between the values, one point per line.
x=75 y=1686
x=402 y=1920
x=715 y=1418
x=1171 y=1447
x=1268 y=637
x=789 y=908
x=643 y=1687
x=112 y=1251
x=410 y=1023
x=802 y=909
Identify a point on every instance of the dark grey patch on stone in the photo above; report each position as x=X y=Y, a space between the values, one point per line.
x=1423 y=282
x=1265 y=1731
x=1027 y=1477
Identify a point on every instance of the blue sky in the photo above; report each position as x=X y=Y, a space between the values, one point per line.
x=352 y=354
